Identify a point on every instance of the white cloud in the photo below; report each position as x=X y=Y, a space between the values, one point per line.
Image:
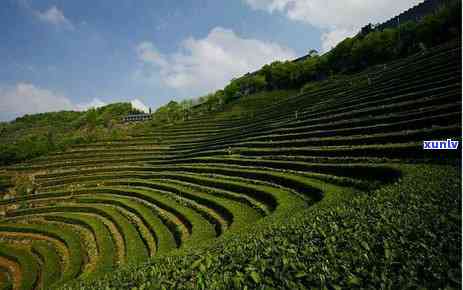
x=207 y=64
x=148 y=53
x=24 y=98
x=139 y=105
x=339 y=17
x=328 y=13
x=333 y=37
x=56 y=17
x=94 y=103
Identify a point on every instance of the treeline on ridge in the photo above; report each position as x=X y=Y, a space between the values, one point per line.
x=34 y=135
x=354 y=54
x=369 y=47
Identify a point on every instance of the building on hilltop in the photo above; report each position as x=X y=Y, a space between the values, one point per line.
x=138 y=117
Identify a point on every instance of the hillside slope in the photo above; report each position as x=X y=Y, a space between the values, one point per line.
x=326 y=189
x=30 y=136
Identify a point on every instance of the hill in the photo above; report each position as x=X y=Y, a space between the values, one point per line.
x=34 y=135
x=326 y=187
x=373 y=45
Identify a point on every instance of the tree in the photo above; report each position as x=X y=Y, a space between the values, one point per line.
x=278 y=74
x=376 y=47
x=340 y=57
x=313 y=52
x=51 y=138
x=91 y=119
x=407 y=43
x=231 y=91
x=430 y=31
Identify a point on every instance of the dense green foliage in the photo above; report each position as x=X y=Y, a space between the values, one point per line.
x=324 y=187
x=351 y=55
x=25 y=259
x=403 y=236
x=34 y=135
x=172 y=112
x=5 y=182
x=354 y=54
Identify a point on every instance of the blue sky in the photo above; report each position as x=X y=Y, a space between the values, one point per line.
x=63 y=54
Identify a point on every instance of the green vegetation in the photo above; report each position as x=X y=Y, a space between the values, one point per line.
x=352 y=54
x=172 y=112
x=50 y=259
x=5 y=279
x=34 y=135
x=305 y=175
x=5 y=182
x=29 y=265
x=390 y=238
x=36 y=230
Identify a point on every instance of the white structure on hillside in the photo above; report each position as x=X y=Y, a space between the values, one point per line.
x=137 y=117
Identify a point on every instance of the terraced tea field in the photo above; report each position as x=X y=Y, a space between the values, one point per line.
x=101 y=205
